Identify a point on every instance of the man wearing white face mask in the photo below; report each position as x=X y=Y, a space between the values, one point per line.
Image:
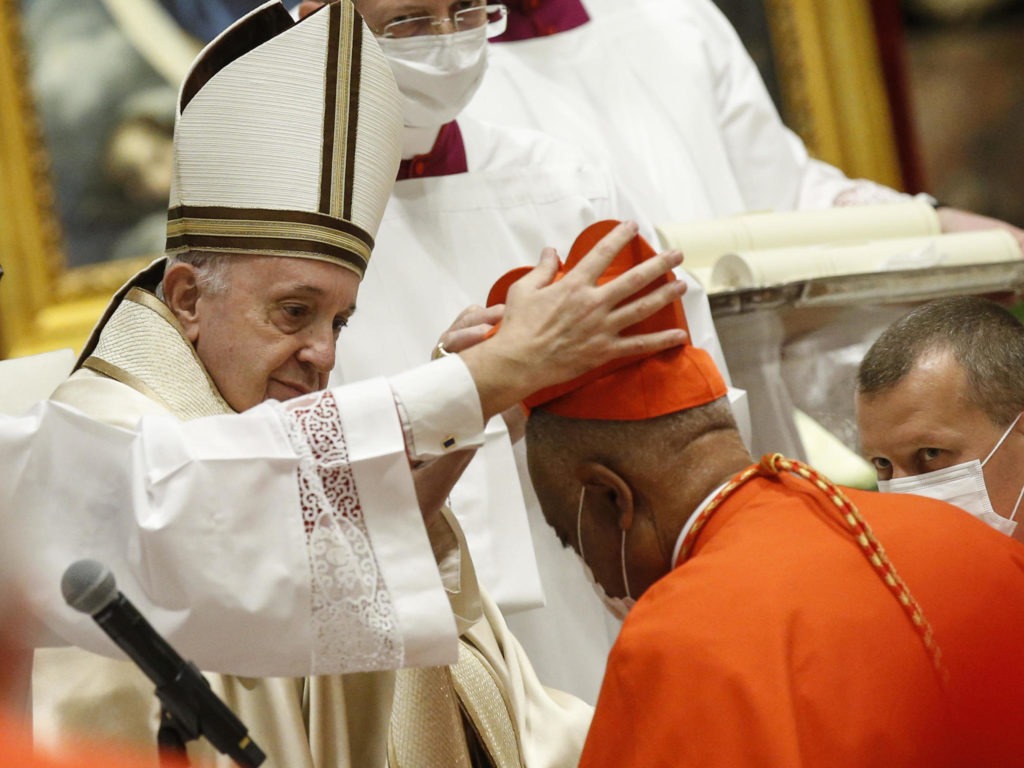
x=439 y=63
x=472 y=201
x=939 y=402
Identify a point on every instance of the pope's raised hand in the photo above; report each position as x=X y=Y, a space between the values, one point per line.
x=555 y=331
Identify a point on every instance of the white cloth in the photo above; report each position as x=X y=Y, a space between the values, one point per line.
x=443 y=242
x=243 y=525
x=24 y=381
x=666 y=91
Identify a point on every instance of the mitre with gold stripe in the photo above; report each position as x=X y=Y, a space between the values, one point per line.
x=286 y=143
x=287 y=139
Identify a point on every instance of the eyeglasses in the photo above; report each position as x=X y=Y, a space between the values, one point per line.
x=470 y=17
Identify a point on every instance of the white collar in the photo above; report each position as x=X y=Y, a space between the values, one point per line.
x=691 y=520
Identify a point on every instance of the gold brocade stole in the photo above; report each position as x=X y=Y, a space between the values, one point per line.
x=452 y=716
x=143 y=345
x=486 y=708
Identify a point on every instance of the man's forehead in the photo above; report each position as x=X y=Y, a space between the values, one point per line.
x=287 y=264
x=929 y=407
x=373 y=8
x=915 y=431
x=938 y=361
x=935 y=379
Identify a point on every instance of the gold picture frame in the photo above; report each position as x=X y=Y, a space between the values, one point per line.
x=826 y=59
x=42 y=305
x=45 y=301
x=833 y=87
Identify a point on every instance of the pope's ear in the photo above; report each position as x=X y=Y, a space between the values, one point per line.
x=604 y=482
x=181 y=294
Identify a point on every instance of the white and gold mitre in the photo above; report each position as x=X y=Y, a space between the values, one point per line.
x=287 y=139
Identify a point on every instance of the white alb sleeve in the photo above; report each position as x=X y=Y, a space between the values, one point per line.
x=283 y=541
x=440 y=407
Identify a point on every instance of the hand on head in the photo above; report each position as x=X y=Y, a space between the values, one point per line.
x=554 y=331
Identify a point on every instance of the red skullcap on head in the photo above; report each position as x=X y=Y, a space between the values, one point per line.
x=636 y=387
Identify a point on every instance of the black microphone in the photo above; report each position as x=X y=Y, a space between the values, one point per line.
x=88 y=586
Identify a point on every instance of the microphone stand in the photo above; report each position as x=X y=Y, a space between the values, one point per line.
x=170 y=741
x=182 y=721
x=189 y=708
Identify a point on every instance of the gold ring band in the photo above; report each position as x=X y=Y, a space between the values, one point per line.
x=440 y=351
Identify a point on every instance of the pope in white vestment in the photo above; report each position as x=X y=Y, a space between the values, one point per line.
x=287 y=539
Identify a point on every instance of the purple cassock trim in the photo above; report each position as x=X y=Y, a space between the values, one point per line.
x=445 y=158
x=537 y=18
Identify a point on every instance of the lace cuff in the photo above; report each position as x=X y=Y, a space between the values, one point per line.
x=355 y=624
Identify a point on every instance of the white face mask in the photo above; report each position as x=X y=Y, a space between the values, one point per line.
x=437 y=75
x=617 y=606
x=962 y=485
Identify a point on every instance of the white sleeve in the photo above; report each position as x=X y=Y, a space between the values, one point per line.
x=440 y=407
x=283 y=541
x=771 y=163
x=767 y=159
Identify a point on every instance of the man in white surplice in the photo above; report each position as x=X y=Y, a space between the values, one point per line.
x=268 y=528
x=665 y=91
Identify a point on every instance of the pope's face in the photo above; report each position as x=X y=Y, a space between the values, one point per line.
x=271 y=334
x=927 y=422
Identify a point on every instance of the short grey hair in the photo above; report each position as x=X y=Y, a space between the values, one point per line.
x=645 y=448
x=985 y=339
x=211 y=268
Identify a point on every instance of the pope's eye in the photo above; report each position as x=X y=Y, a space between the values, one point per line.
x=293 y=316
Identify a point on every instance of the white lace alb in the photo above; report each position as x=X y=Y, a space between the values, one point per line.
x=355 y=627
